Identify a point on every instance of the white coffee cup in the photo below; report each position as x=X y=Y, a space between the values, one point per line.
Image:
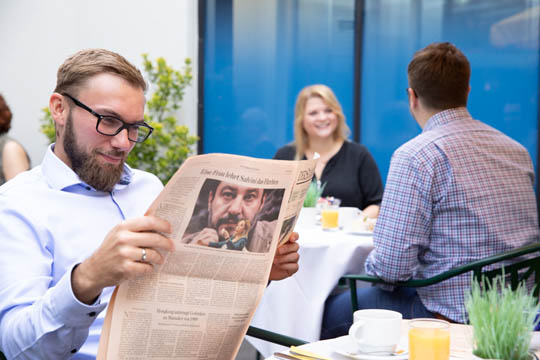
x=347 y=215
x=376 y=331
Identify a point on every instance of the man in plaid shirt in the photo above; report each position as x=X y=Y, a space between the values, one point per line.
x=458 y=192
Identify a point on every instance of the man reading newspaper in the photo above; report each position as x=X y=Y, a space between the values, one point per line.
x=73 y=228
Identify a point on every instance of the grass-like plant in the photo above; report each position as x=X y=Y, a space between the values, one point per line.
x=313 y=194
x=503 y=319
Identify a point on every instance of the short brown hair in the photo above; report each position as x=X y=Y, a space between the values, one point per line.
x=439 y=75
x=85 y=64
x=5 y=116
x=326 y=94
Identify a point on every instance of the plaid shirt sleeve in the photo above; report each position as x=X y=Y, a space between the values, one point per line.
x=416 y=182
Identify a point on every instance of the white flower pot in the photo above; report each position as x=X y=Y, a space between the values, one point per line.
x=533 y=357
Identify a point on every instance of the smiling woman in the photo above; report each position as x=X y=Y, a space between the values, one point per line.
x=347 y=168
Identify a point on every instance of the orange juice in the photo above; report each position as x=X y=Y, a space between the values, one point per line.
x=429 y=344
x=329 y=218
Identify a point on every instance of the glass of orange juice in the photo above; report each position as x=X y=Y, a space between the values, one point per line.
x=330 y=214
x=429 y=339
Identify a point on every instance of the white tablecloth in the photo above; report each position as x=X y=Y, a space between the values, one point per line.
x=294 y=306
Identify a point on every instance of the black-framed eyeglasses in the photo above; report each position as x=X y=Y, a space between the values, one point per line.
x=111 y=125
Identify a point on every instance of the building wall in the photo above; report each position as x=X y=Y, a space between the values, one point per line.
x=36 y=37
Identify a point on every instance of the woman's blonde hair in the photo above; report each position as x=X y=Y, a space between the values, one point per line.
x=301 y=140
x=247 y=227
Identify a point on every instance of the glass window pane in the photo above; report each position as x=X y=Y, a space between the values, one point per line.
x=500 y=39
x=259 y=55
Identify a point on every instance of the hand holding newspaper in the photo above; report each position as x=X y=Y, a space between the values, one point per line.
x=228 y=214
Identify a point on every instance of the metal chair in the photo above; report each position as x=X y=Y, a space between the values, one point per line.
x=274 y=337
x=516 y=272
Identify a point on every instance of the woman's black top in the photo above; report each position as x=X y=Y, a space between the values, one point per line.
x=350 y=175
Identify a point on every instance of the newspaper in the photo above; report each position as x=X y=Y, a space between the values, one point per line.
x=228 y=214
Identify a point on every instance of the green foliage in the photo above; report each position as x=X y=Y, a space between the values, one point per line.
x=47 y=125
x=502 y=319
x=170 y=143
x=313 y=194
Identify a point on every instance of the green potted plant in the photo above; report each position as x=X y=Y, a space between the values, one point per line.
x=502 y=319
x=309 y=214
x=170 y=143
x=313 y=194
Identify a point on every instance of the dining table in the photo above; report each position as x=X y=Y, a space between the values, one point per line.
x=343 y=348
x=294 y=306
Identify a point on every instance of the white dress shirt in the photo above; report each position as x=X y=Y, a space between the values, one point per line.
x=49 y=222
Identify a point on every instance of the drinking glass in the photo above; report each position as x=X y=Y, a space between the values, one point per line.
x=330 y=214
x=429 y=339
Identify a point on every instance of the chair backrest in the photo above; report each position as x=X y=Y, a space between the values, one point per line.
x=516 y=270
x=274 y=337
x=516 y=273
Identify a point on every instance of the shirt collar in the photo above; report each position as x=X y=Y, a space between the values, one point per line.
x=59 y=176
x=445 y=117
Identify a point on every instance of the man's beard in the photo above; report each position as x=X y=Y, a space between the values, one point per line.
x=229 y=221
x=101 y=177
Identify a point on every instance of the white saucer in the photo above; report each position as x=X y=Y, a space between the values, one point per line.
x=357 y=232
x=362 y=356
x=344 y=346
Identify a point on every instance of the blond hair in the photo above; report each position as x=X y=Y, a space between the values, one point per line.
x=301 y=140
x=85 y=64
x=247 y=226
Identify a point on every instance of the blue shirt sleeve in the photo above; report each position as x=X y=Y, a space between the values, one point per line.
x=415 y=183
x=39 y=319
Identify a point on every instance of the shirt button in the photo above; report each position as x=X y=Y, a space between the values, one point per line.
x=91 y=314
x=73 y=351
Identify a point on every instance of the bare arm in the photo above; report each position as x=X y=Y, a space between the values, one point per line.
x=203 y=237
x=14 y=159
x=371 y=211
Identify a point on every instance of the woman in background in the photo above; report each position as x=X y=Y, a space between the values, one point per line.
x=346 y=168
x=237 y=241
x=13 y=158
